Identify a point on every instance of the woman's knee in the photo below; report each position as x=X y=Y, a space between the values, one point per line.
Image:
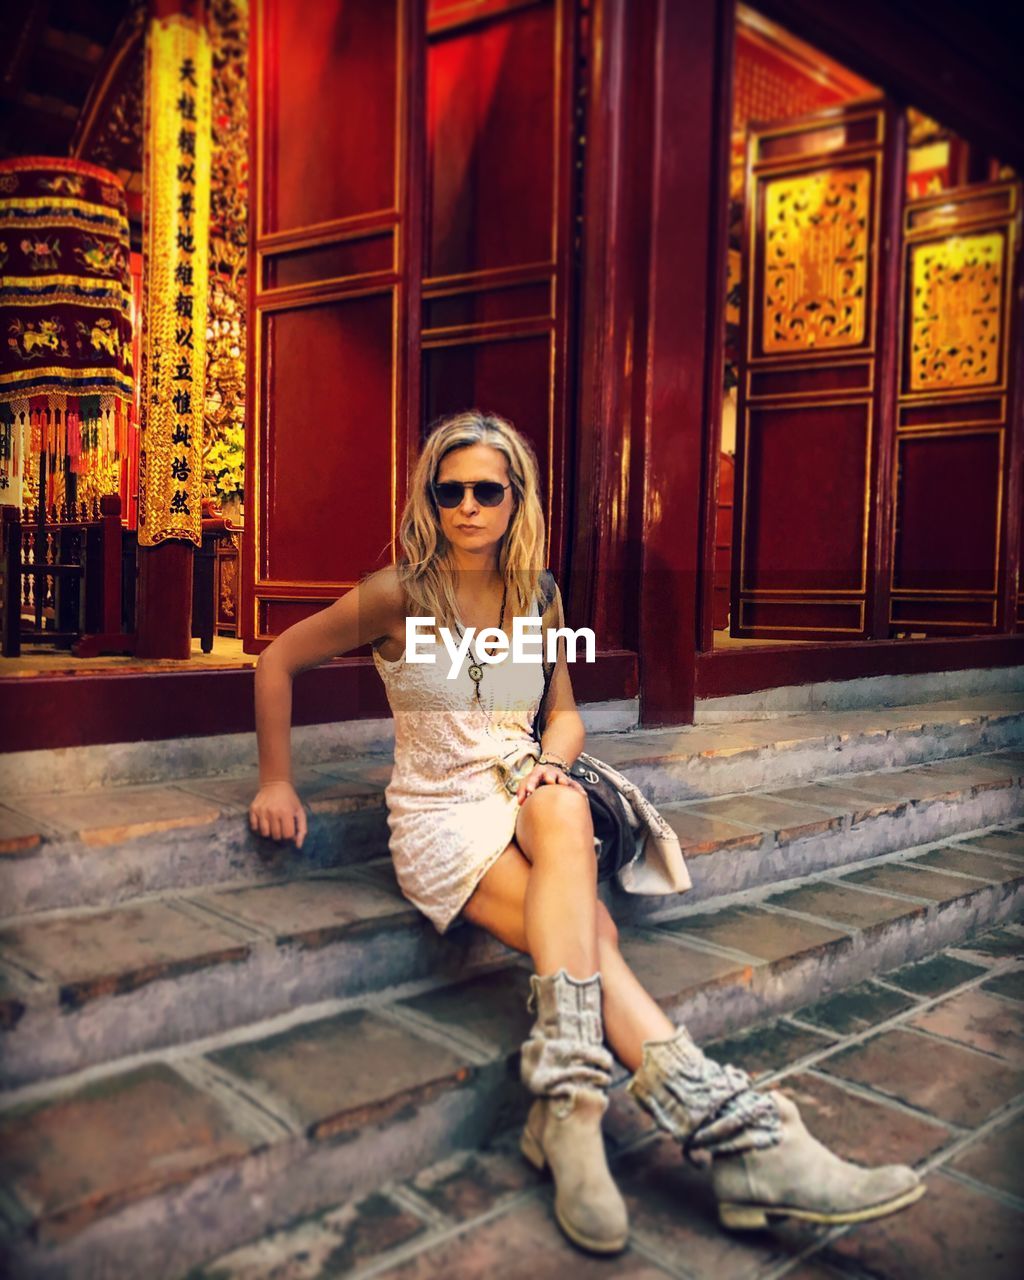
x=556 y=821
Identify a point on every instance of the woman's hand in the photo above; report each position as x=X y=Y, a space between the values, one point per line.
x=277 y=812
x=545 y=773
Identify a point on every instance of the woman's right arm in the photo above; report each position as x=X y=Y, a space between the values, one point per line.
x=371 y=610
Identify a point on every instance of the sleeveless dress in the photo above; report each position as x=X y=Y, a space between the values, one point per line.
x=451 y=801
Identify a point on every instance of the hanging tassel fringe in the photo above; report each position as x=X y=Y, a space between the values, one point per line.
x=78 y=434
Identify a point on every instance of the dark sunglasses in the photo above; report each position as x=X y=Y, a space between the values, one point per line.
x=487 y=492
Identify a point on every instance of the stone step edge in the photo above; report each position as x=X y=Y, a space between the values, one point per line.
x=786 y=733
x=858 y=693
x=743 y=863
x=86 y=769
x=76 y=875
x=309 y=1171
x=212 y=812
x=42 y=1036
x=203 y=788
x=753 y=841
x=666 y=778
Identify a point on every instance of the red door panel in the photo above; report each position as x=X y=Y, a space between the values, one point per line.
x=952 y=479
x=336 y=224
x=329 y=109
x=492 y=158
x=809 y=397
x=321 y=464
x=496 y=291
x=510 y=376
x=797 y=529
x=1019 y=586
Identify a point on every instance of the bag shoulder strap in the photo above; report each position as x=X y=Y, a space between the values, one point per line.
x=549 y=618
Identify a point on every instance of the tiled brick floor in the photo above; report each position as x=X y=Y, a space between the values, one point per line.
x=921 y=1065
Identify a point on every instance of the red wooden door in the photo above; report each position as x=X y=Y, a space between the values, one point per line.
x=334 y=276
x=1018 y=588
x=955 y=526
x=821 y=196
x=498 y=252
x=723 y=540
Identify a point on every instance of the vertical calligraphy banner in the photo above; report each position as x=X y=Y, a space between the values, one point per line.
x=176 y=226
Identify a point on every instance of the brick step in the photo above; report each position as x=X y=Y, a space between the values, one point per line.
x=154 y=1166
x=81 y=986
x=764 y=836
x=102 y=847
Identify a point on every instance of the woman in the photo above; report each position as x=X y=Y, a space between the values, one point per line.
x=487 y=825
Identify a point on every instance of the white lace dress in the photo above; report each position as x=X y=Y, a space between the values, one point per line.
x=451 y=800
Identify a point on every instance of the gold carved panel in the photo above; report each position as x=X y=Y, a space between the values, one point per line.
x=956 y=312
x=815 y=260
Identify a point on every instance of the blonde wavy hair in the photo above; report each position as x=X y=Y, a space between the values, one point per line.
x=425 y=570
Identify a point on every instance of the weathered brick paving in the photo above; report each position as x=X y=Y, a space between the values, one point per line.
x=923 y=1064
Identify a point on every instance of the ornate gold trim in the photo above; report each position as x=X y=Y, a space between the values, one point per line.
x=177 y=243
x=98 y=212
x=858 y=603
x=820 y=395
x=755 y=266
x=827 y=118
x=932 y=623
x=61 y=371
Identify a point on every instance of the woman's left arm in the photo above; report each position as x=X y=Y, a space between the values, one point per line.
x=564 y=734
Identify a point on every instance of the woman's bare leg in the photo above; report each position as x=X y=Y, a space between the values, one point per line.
x=555 y=832
x=796 y=1170
x=499 y=905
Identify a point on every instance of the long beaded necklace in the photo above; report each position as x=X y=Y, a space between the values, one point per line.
x=476 y=671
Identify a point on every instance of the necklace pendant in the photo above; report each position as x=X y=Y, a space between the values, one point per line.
x=476 y=672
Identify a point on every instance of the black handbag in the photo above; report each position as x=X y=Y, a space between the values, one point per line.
x=614 y=824
x=614 y=833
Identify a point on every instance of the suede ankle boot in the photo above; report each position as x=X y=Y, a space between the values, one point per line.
x=801 y=1178
x=565 y=1063
x=764 y=1162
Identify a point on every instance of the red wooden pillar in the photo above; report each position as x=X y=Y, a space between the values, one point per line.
x=608 y=474
x=690 y=76
x=164 y=612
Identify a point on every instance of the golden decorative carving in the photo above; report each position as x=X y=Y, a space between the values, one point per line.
x=815 y=260
x=98 y=482
x=224 y=440
x=176 y=245
x=109 y=129
x=956 y=312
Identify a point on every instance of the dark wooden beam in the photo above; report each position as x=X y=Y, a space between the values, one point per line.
x=959 y=62
x=20 y=28
x=26 y=130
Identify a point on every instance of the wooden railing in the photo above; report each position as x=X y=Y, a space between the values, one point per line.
x=63 y=577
